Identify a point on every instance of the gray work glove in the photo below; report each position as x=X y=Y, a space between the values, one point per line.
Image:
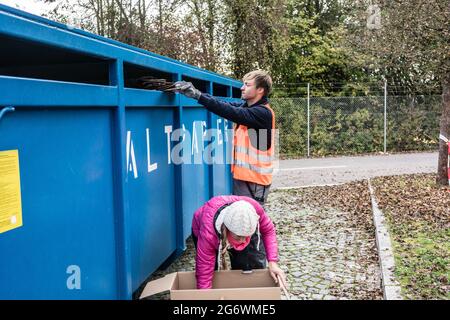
x=188 y=89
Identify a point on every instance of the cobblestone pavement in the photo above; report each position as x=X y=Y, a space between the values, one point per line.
x=324 y=253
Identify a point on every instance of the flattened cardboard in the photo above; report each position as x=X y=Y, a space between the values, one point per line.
x=227 y=285
x=159 y=285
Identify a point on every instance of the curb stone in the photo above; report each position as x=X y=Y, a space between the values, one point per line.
x=308 y=186
x=391 y=288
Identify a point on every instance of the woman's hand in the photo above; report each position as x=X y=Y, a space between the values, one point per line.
x=277 y=273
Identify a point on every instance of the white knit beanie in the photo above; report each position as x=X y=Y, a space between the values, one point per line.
x=241 y=218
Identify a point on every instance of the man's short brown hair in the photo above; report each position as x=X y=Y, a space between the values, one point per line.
x=262 y=80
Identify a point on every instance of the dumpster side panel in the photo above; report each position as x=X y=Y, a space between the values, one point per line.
x=66 y=246
x=151 y=193
x=97 y=220
x=222 y=157
x=196 y=172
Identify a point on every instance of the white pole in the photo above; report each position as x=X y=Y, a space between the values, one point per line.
x=385 y=114
x=308 y=124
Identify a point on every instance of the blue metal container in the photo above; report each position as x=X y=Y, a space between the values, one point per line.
x=103 y=203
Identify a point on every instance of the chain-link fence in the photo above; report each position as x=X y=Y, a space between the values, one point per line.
x=317 y=126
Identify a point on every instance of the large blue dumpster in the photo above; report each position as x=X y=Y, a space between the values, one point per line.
x=91 y=200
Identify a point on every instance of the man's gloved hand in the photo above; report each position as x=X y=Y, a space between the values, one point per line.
x=188 y=89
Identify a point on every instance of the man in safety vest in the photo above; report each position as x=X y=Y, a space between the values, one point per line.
x=254 y=130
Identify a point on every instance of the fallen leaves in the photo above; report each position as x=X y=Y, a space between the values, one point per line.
x=418 y=213
x=352 y=198
x=411 y=198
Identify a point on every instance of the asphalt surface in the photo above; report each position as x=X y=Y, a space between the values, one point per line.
x=323 y=171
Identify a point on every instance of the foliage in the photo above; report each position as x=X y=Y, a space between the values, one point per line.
x=353 y=125
x=256 y=34
x=410 y=47
x=312 y=57
x=418 y=217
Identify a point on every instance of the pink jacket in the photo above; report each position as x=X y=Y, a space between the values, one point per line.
x=208 y=241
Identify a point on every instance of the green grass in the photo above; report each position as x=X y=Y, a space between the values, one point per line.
x=422 y=257
x=418 y=215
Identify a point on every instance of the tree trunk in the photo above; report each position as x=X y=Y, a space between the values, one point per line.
x=210 y=23
x=442 y=178
x=197 y=11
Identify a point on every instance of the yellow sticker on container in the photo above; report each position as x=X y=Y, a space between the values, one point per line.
x=10 y=197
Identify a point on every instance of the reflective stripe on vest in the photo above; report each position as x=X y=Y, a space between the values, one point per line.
x=246 y=165
x=254 y=154
x=249 y=163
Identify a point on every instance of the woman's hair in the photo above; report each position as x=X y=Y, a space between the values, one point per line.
x=223 y=247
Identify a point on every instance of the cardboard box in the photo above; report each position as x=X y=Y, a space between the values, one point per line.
x=227 y=285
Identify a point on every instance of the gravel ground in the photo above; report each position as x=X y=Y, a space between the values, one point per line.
x=326 y=243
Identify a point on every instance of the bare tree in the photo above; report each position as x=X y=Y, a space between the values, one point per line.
x=203 y=18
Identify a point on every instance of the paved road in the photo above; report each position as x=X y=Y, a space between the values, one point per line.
x=320 y=171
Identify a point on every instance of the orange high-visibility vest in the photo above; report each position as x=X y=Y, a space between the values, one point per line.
x=249 y=163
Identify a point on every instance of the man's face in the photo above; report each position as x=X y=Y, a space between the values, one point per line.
x=249 y=90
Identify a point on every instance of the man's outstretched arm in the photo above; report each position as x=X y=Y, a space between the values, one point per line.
x=257 y=117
